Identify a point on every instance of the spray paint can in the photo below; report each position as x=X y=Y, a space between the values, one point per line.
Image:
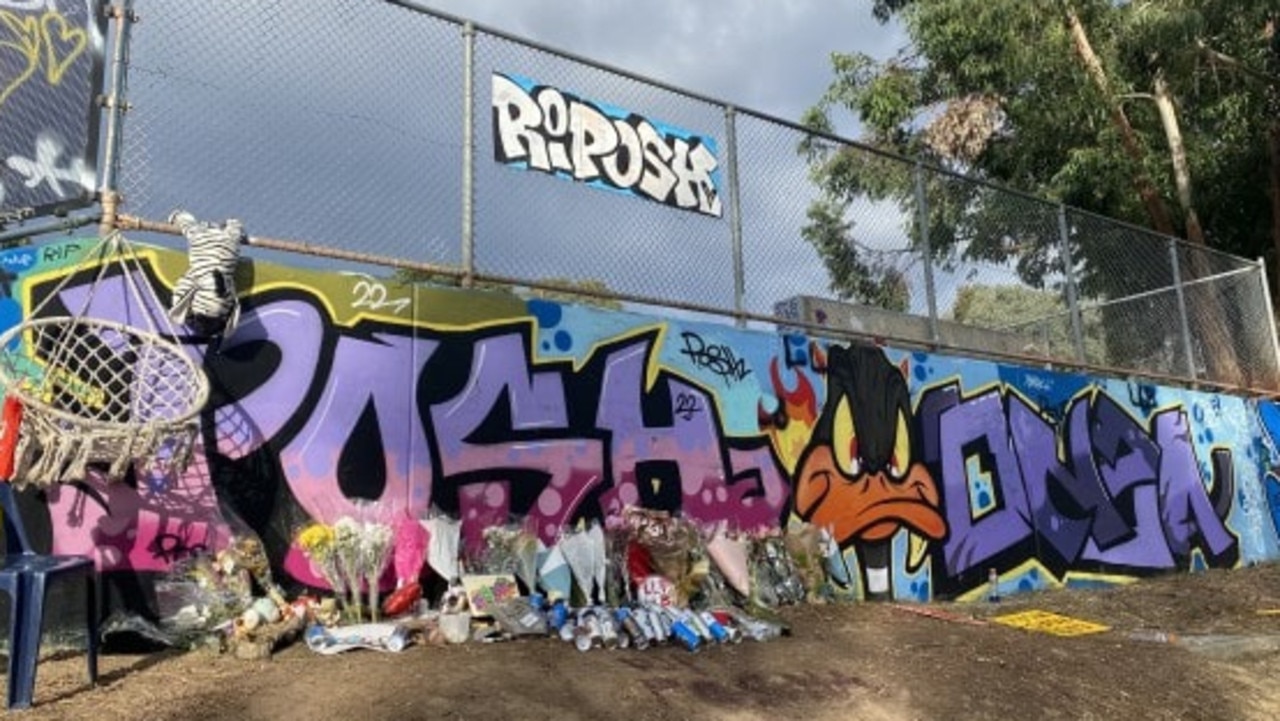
x=663 y=623
x=727 y=622
x=397 y=640
x=631 y=627
x=993 y=586
x=609 y=637
x=694 y=621
x=683 y=633
x=718 y=631
x=641 y=620
x=587 y=634
x=568 y=630
x=557 y=615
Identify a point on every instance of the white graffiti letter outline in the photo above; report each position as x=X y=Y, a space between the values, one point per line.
x=43 y=168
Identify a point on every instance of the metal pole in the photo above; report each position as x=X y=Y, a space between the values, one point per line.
x=1271 y=318
x=1068 y=270
x=922 y=223
x=732 y=201
x=1184 y=323
x=468 y=154
x=116 y=105
x=69 y=223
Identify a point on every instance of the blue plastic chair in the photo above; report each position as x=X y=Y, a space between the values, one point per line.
x=25 y=576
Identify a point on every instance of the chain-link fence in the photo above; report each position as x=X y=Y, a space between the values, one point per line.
x=384 y=128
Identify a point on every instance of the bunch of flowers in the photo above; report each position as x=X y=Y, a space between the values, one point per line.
x=319 y=544
x=658 y=543
x=508 y=549
x=348 y=550
x=375 y=552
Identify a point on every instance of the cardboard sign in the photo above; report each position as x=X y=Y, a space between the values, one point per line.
x=485 y=592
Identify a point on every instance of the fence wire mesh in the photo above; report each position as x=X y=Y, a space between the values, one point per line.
x=539 y=228
x=338 y=121
x=343 y=123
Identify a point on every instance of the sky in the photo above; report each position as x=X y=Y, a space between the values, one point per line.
x=772 y=56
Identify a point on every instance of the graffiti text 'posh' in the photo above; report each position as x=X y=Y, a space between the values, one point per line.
x=556 y=132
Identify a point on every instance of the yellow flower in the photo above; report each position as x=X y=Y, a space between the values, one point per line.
x=316 y=539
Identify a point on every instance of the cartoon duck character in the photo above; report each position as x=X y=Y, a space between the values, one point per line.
x=860 y=476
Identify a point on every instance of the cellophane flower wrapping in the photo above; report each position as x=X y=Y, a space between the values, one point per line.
x=513 y=550
x=375 y=553
x=444 y=534
x=347 y=532
x=671 y=546
x=803 y=543
x=318 y=542
x=773 y=573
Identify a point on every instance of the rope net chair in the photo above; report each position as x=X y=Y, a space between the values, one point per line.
x=88 y=392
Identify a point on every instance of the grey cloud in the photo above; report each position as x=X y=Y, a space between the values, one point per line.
x=766 y=55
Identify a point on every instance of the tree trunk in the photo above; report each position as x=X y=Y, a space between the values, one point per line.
x=1178 y=155
x=1156 y=208
x=1206 y=311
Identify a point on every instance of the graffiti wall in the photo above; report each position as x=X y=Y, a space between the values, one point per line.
x=540 y=127
x=928 y=470
x=50 y=75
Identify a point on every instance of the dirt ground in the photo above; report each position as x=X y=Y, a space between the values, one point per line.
x=864 y=661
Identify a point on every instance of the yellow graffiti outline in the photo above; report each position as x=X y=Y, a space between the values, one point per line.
x=36 y=34
x=55 y=68
x=1050 y=580
x=27 y=32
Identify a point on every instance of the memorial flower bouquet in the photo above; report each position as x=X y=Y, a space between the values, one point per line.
x=319 y=544
x=375 y=553
x=348 y=550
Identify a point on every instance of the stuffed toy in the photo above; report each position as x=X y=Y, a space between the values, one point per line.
x=205 y=296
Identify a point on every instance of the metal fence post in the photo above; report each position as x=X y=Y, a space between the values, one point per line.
x=922 y=224
x=115 y=103
x=1271 y=322
x=735 y=212
x=468 y=154
x=1068 y=271
x=1184 y=322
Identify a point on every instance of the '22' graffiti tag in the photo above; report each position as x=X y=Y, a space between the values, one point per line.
x=370 y=293
x=687 y=406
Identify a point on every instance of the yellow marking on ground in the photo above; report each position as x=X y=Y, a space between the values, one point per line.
x=1051 y=623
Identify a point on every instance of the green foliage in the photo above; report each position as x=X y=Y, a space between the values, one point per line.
x=997 y=92
x=1040 y=316
x=1055 y=137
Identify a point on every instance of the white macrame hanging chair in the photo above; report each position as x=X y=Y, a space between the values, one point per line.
x=100 y=392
